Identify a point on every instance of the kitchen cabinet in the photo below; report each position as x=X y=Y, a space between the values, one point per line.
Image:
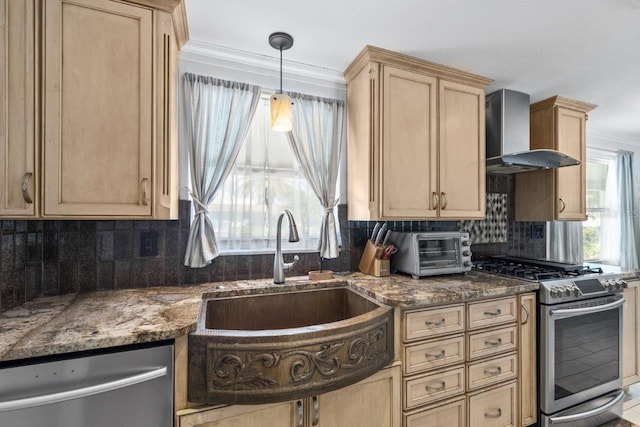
x=559 y=124
x=416 y=139
x=372 y=401
x=462 y=362
x=89 y=118
x=631 y=334
x=527 y=357
x=109 y=146
x=18 y=105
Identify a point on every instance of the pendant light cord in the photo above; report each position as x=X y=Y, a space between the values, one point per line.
x=280 y=69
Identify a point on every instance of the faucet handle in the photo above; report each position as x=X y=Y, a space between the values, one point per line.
x=289 y=265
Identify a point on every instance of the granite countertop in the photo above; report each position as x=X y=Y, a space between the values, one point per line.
x=87 y=321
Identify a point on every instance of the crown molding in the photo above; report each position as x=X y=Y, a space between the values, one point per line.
x=614 y=139
x=226 y=57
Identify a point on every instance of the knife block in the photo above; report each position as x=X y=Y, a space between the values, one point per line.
x=370 y=255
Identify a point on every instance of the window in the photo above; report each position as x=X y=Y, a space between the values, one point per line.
x=599 y=180
x=265 y=180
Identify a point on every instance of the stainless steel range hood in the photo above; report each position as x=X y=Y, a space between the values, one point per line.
x=507 y=127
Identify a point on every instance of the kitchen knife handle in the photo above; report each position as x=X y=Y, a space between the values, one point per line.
x=374 y=234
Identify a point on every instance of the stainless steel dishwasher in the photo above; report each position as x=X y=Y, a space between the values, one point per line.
x=132 y=388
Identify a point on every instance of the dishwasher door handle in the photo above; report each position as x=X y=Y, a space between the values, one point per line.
x=46 y=399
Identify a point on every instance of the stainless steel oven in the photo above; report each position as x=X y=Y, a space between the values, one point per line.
x=581 y=352
x=580 y=339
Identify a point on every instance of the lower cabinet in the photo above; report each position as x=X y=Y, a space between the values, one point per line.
x=374 y=401
x=469 y=365
x=631 y=334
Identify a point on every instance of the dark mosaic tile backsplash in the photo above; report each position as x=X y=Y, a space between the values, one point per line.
x=56 y=257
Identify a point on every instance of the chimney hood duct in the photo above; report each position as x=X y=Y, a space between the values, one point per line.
x=507 y=127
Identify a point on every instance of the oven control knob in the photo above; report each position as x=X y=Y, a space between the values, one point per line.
x=466 y=264
x=621 y=283
x=567 y=291
x=555 y=292
x=576 y=292
x=465 y=243
x=466 y=253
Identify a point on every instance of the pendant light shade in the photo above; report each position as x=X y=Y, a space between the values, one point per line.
x=281 y=116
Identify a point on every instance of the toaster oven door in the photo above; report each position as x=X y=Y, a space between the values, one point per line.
x=439 y=253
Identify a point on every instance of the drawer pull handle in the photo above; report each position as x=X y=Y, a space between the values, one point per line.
x=435 y=200
x=493 y=343
x=493 y=371
x=496 y=414
x=441 y=386
x=435 y=356
x=316 y=411
x=439 y=323
x=443 y=201
x=498 y=312
x=526 y=310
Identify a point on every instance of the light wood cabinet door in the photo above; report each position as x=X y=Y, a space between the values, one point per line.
x=461 y=151
x=527 y=354
x=18 y=123
x=408 y=144
x=571 y=181
x=557 y=123
x=631 y=334
x=374 y=401
x=98 y=109
x=285 y=414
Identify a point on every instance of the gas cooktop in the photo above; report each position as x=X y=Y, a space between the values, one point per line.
x=559 y=282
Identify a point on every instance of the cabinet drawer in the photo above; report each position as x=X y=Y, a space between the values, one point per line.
x=447 y=414
x=494 y=341
x=432 y=322
x=493 y=408
x=491 y=313
x=491 y=371
x=433 y=354
x=432 y=387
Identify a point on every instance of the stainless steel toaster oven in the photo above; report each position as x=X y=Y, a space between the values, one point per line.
x=431 y=253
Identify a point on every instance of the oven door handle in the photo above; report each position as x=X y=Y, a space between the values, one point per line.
x=568 y=312
x=587 y=414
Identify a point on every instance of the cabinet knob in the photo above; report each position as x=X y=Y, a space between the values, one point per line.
x=25 y=187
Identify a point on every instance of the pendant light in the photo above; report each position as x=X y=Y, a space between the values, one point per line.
x=281 y=117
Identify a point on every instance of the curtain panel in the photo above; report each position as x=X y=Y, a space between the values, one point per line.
x=317 y=137
x=627 y=207
x=218 y=114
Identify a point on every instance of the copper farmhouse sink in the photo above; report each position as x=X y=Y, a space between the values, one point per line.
x=283 y=346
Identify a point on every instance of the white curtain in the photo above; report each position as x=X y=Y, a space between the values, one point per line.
x=316 y=139
x=218 y=114
x=565 y=241
x=610 y=219
x=628 y=211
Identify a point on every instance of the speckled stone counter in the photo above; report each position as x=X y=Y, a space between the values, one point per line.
x=78 y=322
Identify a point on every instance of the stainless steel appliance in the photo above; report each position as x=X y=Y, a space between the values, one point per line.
x=433 y=253
x=507 y=137
x=580 y=339
x=130 y=388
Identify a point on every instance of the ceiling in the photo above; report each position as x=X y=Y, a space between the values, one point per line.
x=587 y=50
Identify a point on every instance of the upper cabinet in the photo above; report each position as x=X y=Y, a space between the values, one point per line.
x=18 y=122
x=108 y=78
x=559 y=124
x=416 y=139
